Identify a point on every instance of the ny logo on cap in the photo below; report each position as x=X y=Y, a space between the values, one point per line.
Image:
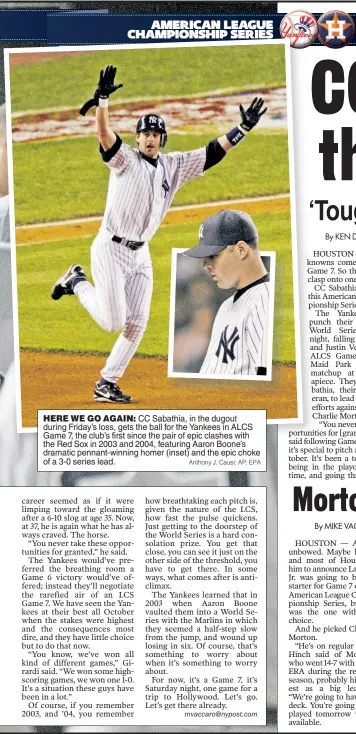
x=201 y=231
x=153 y=119
x=227 y=345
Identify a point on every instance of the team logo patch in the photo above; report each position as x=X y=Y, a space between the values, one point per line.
x=165 y=187
x=300 y=27
x=227 y=345
x=336 y=29
x=153 y=120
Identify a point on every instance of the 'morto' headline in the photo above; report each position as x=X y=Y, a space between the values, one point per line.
x=306 y=500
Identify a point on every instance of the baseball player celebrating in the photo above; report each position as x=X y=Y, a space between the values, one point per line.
x=228 y=247
x=142 y=185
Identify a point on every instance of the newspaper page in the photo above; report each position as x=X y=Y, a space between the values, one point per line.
x=134 y=592
x=132 y=604
x=316 y=460
x=199 y=210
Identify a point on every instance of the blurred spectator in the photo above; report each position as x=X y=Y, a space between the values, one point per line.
x=192 y=341
x=197 y=301
x=6 y=338
x=4 y=184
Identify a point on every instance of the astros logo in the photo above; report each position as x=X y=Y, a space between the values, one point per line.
x=336 y=29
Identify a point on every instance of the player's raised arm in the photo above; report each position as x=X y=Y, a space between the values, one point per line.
x=217 y=149
x=104 y=132
x=249 y=119
x=105 y=87
x=100 y=98
x=194 y=163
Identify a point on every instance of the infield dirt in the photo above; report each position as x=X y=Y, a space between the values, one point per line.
x=66 y=381
x=53 y=231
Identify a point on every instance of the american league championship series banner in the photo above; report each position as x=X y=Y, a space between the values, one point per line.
x=177 y=366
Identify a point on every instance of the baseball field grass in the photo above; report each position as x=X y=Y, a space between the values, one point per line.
x=63 y=178
x=146 y=72
x=67 y=179
x=66 y=326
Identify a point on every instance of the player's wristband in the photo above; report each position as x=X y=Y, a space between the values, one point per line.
x=235 y=135
x=103 y=101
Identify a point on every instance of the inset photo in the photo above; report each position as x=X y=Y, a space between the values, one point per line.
x=222 y=302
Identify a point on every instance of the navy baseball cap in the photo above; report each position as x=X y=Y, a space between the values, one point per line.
x=223 y=229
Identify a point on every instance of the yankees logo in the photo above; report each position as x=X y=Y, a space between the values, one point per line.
x=201 y=232
x=227 y=345
x=165 y=187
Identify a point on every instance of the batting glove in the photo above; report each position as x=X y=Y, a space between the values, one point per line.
x=105 y=87
x=106 y=84
x=251 y=116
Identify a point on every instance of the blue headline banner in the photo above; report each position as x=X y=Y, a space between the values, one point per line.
x=68 y=29
x=31 y=25
x=98 y=27
x=23 y=25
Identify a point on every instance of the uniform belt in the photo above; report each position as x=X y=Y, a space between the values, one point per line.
x=132 y=244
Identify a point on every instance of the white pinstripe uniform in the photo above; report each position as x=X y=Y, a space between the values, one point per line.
x=239 y=339
x=140 y=193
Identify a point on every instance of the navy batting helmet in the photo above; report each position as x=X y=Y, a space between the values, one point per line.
x=153 y=122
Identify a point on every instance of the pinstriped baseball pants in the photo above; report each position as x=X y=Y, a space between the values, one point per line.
x=120 y=298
